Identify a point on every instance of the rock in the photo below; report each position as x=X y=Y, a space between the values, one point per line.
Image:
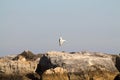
x=60 y=66
x=57 y=73
x=79 y=65
x=57 y=70
x=117 y=62
x=28 y=55
x=17 y=67
x=20 y=64
x=21 y=58
x=117 y=77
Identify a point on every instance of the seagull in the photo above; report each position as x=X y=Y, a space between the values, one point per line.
x=61 y=41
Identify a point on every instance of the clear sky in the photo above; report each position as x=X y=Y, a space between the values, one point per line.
x=36 y=25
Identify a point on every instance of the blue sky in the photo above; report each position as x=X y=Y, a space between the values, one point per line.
x=36 y=25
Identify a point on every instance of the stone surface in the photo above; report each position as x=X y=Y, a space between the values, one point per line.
x=80 y=65
x=57 y=70
x=117 y=62
x=57 y=73
x=17 y=67
x=28 y=55
x=60 y=66
x=23 y=63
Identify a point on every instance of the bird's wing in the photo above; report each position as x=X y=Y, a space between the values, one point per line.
x=60 y=42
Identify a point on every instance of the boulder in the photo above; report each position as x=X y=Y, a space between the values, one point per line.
x=28 y=55
x=57 y=73
x=57 y=70
x=79 y=65
x=17 y=67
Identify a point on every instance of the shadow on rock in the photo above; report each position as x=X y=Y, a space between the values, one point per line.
x=33 y=76
x=44 y=64
x=117 y=77
x=117 y=63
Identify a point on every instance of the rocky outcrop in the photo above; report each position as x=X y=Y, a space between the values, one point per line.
x=17 y=67
x=79 y=65
x=28 y=55
x=60 y=66
x=23 y=63
x=57 y=73
x=20 y=67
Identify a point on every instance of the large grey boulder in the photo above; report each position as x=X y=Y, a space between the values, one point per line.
x=83 y=64
x=79 y=61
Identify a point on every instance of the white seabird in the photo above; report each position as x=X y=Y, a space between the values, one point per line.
x=61 y=41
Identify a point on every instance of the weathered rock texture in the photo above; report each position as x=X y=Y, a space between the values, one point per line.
x=79 y=65
x=60 y=66
x=28 y=55
x=57 y=73
x=18 y=67
x=21 y=64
